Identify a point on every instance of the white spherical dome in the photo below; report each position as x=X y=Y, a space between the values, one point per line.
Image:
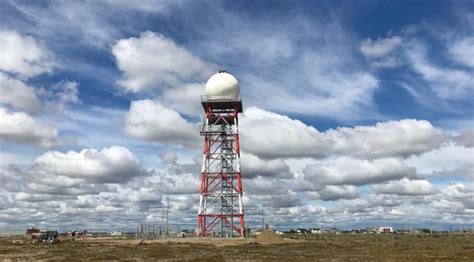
x=223 y=84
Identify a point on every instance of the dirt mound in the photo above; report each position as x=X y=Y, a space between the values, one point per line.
x=269 y=237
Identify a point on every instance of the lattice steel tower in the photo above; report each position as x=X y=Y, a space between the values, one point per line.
x=221 y=208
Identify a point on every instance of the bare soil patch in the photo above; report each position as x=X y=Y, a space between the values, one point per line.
x=269 y=237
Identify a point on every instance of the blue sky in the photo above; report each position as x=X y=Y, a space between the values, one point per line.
x=369 y=106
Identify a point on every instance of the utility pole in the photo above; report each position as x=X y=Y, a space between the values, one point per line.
x=167 y=213
x=162 y=216
x=263 y=220
x=162 y=220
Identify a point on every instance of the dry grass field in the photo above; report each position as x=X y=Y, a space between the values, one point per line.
x=325 y=247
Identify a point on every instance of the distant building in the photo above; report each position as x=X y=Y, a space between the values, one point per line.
x=50 y=236
x=186 y=233
x=385 y=230
x=116 y=234
x=36 y=235
x=402 y=231
x=33 y=230
x=32 y=234
x=372 y=230
x=426 y=231
x=358 y=231
x=301 y=231
x=97 y=234
x=315 y=231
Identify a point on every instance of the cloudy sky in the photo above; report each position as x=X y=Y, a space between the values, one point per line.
x=355 y=113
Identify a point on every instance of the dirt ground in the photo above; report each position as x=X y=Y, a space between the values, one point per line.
x=312 y=248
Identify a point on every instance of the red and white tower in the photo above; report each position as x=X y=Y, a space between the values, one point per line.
x=221 y=209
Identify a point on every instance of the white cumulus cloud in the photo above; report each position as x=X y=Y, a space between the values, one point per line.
x=23 y=55
x=459 y=191
x=110 y=165
x=17 y=94
x=392 y=138
x=255 y=166
x=272 y=135
x=154 y=61
x=331 y=193
x=152 y=121
x=406 y=186
x=184 y=98
x=20 y=127
x=269 y=134
x=350 y=171
x=445 y=160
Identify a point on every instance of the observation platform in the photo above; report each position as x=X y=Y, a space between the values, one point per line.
x=221 y=103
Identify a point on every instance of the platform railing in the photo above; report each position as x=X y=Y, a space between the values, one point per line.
x=206 y=98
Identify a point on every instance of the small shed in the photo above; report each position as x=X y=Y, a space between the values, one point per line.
x=385 y=230
x=32 y=234
x=48 y=236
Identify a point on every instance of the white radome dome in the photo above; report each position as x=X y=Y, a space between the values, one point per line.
x=223 y=84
